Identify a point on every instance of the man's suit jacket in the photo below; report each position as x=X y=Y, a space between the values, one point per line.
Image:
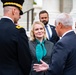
x=15 y=58
x=64 y=56
x=54 y=37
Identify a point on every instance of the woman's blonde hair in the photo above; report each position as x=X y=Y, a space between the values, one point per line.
x=32 y=36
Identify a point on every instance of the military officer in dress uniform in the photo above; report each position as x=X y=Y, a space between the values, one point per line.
x=15 y=58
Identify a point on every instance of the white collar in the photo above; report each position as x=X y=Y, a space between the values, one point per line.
x=8 y=18
x=47 y=24
x=66 y=32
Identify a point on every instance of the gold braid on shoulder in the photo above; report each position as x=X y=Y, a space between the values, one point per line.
x=18 y=27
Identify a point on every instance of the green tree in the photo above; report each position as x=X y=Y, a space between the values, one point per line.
x=34 y=3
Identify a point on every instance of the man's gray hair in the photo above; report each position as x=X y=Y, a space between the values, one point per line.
x=65 y=19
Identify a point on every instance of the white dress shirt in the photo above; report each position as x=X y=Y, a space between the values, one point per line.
x=50 y=31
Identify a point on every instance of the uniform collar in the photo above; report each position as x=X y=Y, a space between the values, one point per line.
x=8 y=18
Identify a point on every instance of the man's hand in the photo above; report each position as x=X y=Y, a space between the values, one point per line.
x=41 y=67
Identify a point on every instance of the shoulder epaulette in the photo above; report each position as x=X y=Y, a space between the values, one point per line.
x=18 y=27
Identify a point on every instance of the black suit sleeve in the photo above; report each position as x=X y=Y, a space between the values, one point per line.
x=24 y=56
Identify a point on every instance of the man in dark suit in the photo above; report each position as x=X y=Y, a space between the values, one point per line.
x=15 y=58
x=63 y=59
x=50 y=29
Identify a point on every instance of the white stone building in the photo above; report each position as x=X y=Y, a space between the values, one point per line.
x=54 y=7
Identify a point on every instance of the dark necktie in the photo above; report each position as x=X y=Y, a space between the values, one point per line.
x=47 y=31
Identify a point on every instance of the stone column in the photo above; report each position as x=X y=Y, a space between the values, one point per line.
x=37 y=9
x=73 y=7
x=52 y=6
x=1 y=9
x=73 y=13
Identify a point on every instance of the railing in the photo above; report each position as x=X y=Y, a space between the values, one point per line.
x=28 y=17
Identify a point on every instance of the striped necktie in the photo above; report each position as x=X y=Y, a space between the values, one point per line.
x=47 y=31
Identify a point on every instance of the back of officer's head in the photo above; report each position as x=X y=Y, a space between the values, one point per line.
x=14 y=3
x=13 y=9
